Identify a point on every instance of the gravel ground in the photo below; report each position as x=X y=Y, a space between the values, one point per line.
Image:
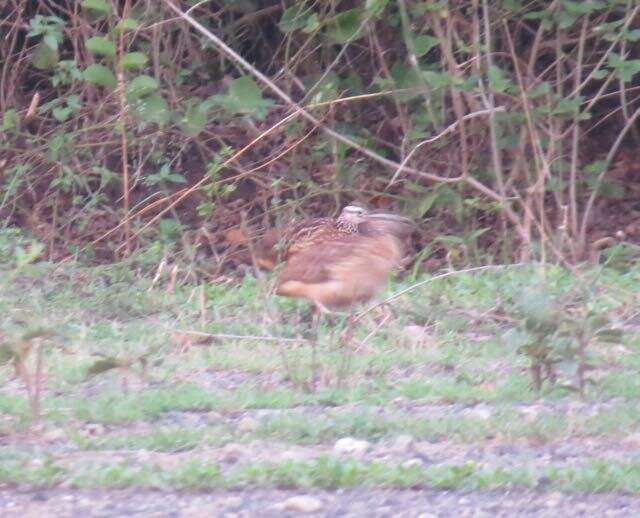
x=266 y=503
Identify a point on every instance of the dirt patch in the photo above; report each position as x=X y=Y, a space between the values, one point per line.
x=268 y=503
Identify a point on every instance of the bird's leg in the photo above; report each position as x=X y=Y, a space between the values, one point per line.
x=318 y=316
x=386 y=311
x=347 y=334
x=322 y=308
x=320 y=311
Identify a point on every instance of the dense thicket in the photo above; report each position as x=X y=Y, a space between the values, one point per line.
x=504 y=127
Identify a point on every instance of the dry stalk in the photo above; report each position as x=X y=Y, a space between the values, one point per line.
x=123 y=134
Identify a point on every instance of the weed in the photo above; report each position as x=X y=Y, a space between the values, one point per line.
x=557 y=335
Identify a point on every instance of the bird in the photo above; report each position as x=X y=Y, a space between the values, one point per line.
x=282 y=244
x=336 y=265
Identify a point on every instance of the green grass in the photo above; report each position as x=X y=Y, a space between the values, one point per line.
x=326 y=473
x=374 y=391
x=165 y=439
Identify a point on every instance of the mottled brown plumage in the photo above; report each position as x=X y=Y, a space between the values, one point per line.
x=282 y=244
x=335 y=269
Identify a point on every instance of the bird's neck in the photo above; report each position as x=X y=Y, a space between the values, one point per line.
x=346 y=226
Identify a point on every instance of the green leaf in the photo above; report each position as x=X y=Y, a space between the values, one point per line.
x=538 y=309
x=600 y=74
x=244 y=96
x=543 y=14
x=294 y=18
x=610 y=335
x=101 y=46
x=107 y=177
x=516 y=338
x=169 y=229
x=582 y=7
x=153 y=109
x=100 y=6
x=375 y=8
x=609 y=26
x=427 y=202
x=313 y=24
x=421 y=8
x=424 y=43
x=568 y=106
x=141 y=86
x=596 y=168
x=205 y=209
x=624 y=68
x=632 y=36
x=353 y=83
x=438 y=79
x=345 y=26
x=61 y=114
x=566 y=19
x=195 y=117
x=100 y=75
x=176 y=178
x=498 y=81
x=73 y=102
x=10 y=120
x=542 y=89
x=7 y=353
x=51 y=41
x=132 y=60
x=128 y=24
x=103 y=365
x=45 y=58
x=612 y=190
x=512 y=5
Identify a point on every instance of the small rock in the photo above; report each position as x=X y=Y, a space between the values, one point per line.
x=40 y=496
x=300 y=504
x=184 y=419
x=54 y=435
x=427 y=515
x=231 y=452
x=248 y=424
x=94 y=429
x=412 y=463
x=416 y=336
x=479 y=412
x=632 y=439
x=554 y=499
x=294 y=455
x=232 y=502
x=213 y=417
x=530 y=413
x=351 y=446
x=402 y=444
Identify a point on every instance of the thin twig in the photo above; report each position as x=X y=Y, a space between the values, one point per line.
x=237 y=337
x=446 y=131
x=438 y=277
x=123 y=135
x=586 y=215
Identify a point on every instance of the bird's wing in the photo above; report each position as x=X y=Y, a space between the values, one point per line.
x=306 y=233
x=315 y=264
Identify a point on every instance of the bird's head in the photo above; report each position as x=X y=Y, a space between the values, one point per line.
x=352 y=215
